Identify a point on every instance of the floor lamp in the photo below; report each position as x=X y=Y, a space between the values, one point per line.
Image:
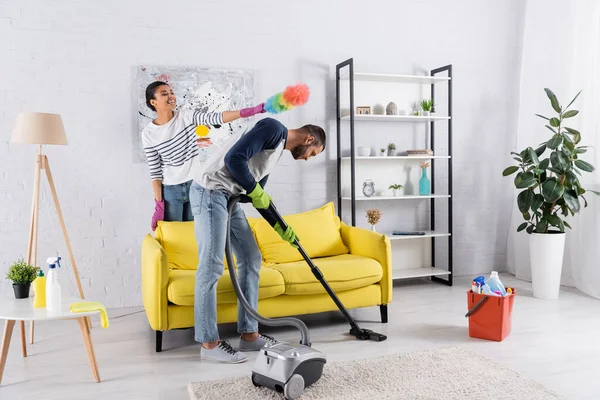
x=41 y=129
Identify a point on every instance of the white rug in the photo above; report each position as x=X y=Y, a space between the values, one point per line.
x=448 y=373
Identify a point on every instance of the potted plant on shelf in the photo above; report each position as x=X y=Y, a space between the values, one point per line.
x=22 y=274
x=382 y=152
x=373 y=217
x=427 y=106
x=550 y=191
x=395 y=189
x=391 y=149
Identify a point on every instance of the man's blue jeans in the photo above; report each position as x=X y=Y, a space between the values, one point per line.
x=209 y=208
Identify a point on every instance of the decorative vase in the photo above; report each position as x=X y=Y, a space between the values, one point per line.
x=546 y=259
x=391 y=153
x=391 y=109
x=395 y=192
x=364 y=151
x=373 y=228
x=21 y=291
x=424 y=183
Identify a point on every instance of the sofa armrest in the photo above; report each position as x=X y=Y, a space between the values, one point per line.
x=155 y=277
x=374 y=245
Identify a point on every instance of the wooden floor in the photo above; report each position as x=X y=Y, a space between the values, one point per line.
x=554 y=342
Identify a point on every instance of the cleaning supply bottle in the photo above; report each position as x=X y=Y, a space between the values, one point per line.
x=53 y=291
x=495 y=283
x=39 y=288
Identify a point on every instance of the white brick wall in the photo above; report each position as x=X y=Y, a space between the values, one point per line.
x=78 y=58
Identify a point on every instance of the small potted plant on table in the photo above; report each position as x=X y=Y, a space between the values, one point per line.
x=395 y=189
x=22 y=274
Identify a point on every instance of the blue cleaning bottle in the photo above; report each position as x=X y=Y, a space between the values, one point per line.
x=495 y=283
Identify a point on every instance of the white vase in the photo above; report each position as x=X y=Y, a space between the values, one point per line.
x=426 y=113
x=373 y=228
x=364 y=151
x=382 y=154
x=546 y=259
x=395 y=191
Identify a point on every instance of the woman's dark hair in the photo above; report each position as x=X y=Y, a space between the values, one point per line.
x=150 y=92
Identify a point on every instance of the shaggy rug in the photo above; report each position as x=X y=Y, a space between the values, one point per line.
x=447 y=373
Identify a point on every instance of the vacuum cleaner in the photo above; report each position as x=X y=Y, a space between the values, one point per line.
x=285 y=367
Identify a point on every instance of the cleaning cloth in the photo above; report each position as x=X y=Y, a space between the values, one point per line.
x=87 y=306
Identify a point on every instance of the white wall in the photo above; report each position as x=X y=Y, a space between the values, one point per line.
x=78 y=59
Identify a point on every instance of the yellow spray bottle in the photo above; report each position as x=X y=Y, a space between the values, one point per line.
x=39 y=287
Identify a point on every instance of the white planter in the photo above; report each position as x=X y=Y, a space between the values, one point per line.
x=546 y=259
x=382 y=154
x=364 y=151
x=426 y=113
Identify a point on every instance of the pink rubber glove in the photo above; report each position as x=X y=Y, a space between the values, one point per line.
x=159 y=213
x=248 y=112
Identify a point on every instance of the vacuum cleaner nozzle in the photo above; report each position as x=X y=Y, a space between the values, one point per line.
x=367 y=334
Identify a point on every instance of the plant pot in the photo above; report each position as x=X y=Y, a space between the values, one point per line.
x=21 y=291
x=546 y=259
x=382 y=154
x=373 y=228
x=364 y=151
x=392 y=153
x=426 y=113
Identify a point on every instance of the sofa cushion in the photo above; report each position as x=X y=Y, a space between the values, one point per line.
x=180 y=289
x=318 y=230
x=343 y=272
x=179 y=242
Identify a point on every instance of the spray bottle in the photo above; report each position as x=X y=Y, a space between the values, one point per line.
x=53 y=291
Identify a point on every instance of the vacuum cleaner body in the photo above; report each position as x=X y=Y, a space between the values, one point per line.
x=288 y=368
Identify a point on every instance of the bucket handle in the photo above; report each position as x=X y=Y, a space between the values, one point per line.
x=476 y=306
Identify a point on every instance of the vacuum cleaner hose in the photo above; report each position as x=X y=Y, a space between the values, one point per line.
x=233 y=200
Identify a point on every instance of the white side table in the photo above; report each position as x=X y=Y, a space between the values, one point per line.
x=13 y=310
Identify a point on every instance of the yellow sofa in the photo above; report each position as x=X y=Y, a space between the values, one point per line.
x=356 y=262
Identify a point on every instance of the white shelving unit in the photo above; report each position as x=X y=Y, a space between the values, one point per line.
x=408 y=243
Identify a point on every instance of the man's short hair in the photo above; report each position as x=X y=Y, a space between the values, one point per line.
x=317 y=132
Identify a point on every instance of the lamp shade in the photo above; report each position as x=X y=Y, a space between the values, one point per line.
x=39 y=128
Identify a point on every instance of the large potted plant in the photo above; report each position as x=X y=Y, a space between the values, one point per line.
x=550 y=191
x=22 y=274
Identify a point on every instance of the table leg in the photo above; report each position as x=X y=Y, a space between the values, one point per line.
x=23 y=338
x=87 y=339
x=8 y=330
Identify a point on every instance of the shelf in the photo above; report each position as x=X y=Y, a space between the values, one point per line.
x=404 y=197
x=393 y=78
x=397 y=158
x=418 y=272
x=428 y=234
x=396 y=118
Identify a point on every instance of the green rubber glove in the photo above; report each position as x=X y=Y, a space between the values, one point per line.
x=288 y=235
x=260 y=199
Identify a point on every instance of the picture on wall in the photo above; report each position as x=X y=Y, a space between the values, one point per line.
x=206 y=89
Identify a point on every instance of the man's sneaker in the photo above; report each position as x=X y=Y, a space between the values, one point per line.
x=257 y=344
x=223 y=353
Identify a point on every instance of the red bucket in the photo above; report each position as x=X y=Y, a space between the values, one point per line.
x=490 y=317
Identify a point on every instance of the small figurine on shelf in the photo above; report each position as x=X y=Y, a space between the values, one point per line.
x=395 y=189
x=391 y=149
x=373 y=217
x=424 y=183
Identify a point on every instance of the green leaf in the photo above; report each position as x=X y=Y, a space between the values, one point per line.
x=522 y=226
x=530 y=229
x=565 y=210
x=554 y=142
x=580 y=150
x=551 y=128
x=572 y=131
x=558 y=161
x=577 y=172
x=541 y=116
x=524 y=200
x=570 y=145
x=572 y=200
x=542 y=227
x=595 y=192
x=554 y=122
x=556 y=171
x=567 y=138
x=553 y=219
x=538 y=200
x=540 y=150
x=570 y=114
x=584 y=166
x=577 y=138
x=553 y=100
x=545 y=163
x=533 y=156
x=524 y=180
x=567 y=224
x=552 y=190
x=526 y=216
x=574 y=98
x=561 y=225
x=516 y=154
x=584 y=201
x=510 y=170
x=571 y=177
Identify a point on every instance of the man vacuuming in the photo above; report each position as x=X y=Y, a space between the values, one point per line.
x=240 y=166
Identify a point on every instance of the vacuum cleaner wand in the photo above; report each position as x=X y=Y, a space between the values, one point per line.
x=233 y=275
x=355 y=330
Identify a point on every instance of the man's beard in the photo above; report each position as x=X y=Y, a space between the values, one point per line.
x=299 y=150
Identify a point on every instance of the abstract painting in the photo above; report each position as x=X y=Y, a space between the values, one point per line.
x=206 y=89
